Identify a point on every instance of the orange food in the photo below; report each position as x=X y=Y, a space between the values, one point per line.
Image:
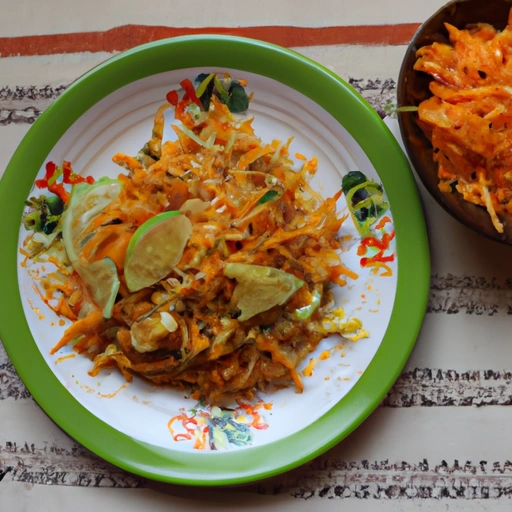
x=257 y=227
x=469 y=117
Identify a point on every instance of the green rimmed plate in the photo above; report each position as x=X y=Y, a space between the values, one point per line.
x=110 y=109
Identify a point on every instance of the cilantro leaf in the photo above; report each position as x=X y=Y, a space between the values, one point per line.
x=352 y=179
x=238 y=99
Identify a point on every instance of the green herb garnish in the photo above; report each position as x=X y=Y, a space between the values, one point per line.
x=228 y=91
x=365 y=200
x=46 y=214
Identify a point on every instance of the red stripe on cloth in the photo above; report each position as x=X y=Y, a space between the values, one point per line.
x=127 y=36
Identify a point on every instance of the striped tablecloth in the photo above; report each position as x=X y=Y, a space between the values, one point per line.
x=439 y=441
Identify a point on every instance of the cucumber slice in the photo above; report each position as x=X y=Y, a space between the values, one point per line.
x=85 y=204
x=260 y=288
x=155 y=249
x=103 y=283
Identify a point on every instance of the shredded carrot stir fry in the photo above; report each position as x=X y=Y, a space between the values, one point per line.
x=469 y=117
x=200 y=328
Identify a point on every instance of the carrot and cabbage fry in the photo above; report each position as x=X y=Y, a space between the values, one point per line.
x=250 y=295
x=468 y=118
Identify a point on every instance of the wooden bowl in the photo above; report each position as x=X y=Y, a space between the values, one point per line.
x=413 y=88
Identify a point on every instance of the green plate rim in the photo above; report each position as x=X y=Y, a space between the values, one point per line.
x=361 y=121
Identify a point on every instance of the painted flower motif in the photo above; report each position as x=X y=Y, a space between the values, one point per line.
x=377 y=248
x=213 y=428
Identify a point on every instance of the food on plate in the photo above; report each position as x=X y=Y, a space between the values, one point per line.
x=468 y=118
x=207 y=264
